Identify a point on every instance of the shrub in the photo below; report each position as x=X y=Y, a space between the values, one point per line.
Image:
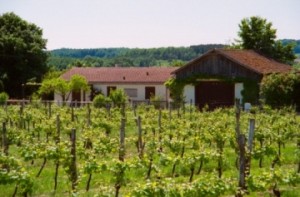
x=118 y=97
x=3 y=98
x=278 y=90
x=176 y=89
x=101 y=101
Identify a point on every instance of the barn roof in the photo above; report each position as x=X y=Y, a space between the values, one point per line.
x=246 y=58
x=122 y=74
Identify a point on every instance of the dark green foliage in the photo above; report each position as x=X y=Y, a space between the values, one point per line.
x=176 y=87
x=3 y=98
x=289 y=41
x=22 y=53
x=257 y=34
x=279 y=90
x=1 y=86
x=101 y=101
x=174 y=56
x=118 y=97
x=251 y=91
x=81 y=53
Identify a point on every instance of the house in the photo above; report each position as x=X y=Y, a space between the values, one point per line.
x=216 y=79
x=220 y=76
x=140 y=83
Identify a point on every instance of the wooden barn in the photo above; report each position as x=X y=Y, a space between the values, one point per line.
x=220 y=76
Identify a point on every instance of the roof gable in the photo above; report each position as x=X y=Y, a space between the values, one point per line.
x=245 y=58
x=122 y=74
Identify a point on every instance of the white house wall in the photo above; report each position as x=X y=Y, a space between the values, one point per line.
x=189 y=93
x=238 y=88
x=83 y=97
x=160 y=90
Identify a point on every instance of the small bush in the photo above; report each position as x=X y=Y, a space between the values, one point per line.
x=278 y=90
x=3 y=98
x=101 y=101
x=118 y=97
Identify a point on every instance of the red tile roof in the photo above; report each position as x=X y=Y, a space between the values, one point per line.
x=122 y=74
x=255 y=61
x=249 y=59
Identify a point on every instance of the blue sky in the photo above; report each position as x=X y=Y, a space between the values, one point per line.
x=150 y=23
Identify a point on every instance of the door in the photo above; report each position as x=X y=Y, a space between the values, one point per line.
x=214 y=94
x=149 y=92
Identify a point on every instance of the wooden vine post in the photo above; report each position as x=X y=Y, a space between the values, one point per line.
x=250 y=144
x=72 y=112
x=140 y=139
x=73 y=167
x=190 y=109
x=240 y=138
x=88 y=115
x=159 y=131
x=244 y=155
x=298 y=145
x=5 y=144
x=122 y=140
x=49 y=109
x=21 y=107
x=57 y=141
x=120 y=171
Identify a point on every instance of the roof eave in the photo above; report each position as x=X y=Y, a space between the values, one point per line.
x=238 y=62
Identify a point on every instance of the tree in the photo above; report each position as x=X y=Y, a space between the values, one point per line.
x=177 y=63
x=55 y=85
x=257 y=34
x=78 y=83
x=63 y=87
x=22 y=53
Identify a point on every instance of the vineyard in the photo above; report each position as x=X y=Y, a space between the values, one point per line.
x=49 y=150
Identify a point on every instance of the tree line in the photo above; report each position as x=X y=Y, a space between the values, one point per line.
x=164 y=56
x=107 y=57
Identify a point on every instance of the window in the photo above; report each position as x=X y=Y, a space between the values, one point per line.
x=149 y=92
x=131 y=92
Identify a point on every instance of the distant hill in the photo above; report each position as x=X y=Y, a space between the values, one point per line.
x=61 y=58
x=297 y=44
x=166 y=56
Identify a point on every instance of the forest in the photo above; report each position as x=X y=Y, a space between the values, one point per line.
x=164 y=56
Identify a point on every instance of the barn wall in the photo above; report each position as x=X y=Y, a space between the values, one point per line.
x=217 y=65
x=189 y=92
